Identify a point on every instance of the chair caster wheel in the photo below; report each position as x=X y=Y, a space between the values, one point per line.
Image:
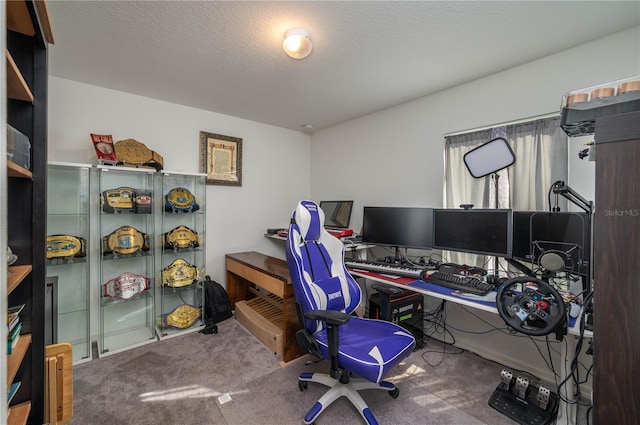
x=303 y=385
x=394 y=393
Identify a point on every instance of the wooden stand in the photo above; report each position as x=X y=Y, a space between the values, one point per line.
x=261 y=293
x=59 y=383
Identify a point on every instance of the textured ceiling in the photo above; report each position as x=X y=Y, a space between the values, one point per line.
x=227 y=57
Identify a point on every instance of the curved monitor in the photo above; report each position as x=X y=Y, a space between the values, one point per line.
x=405 y=227
x=482 y=231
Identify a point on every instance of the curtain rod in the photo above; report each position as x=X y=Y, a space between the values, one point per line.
x=514 y=122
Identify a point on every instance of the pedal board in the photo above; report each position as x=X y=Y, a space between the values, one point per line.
x=523 y=402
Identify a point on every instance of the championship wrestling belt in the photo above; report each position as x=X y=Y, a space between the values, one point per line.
x=62 y=246
x=132 y=153
x=180 y=199
x=142 y=201
x=182 y=316
x=125 y=240
x=120 y=200
x=126 y=286
x=180 y=237
x=179 y=273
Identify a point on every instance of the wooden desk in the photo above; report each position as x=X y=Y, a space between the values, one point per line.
x=261 y=287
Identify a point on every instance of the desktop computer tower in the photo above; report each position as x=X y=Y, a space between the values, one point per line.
x=406 y=310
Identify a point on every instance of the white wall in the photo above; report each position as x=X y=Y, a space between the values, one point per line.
x=394 y=157
x=275 y=172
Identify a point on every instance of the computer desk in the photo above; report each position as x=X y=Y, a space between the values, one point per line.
x=566 y=411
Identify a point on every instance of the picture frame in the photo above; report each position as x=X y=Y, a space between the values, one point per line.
x=221 y=159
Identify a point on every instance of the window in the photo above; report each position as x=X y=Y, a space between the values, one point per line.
x=540 y=147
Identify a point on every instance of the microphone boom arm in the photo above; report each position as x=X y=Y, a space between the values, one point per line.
x=561 y=188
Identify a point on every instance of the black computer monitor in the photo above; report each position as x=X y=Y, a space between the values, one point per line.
x=567 y=233
x=400 y=227
x=480 y=231
x=337 y=214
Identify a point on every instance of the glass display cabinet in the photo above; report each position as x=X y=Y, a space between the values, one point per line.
x=127 y=264
x=68 y=267
x=181 y=252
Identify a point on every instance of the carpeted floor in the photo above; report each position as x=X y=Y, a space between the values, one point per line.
x=179 y=381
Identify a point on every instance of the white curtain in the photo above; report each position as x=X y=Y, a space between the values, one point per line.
x=541 y=154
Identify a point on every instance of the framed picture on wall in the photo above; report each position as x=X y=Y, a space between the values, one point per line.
x=221 y=159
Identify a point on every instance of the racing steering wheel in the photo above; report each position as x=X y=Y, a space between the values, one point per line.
x=536 y=310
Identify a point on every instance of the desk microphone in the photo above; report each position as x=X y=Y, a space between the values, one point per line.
x=552 y=262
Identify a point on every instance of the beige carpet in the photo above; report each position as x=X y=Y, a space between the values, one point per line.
x=179 y=380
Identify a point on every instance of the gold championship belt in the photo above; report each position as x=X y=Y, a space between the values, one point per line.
x=125 y=240
x=63 y=246
x=126 y=200
x=179 y=273
x=125 y=286
x=180 y=237
x=120 y=200
x=132 y=153
x=179 y=199
x=182 y=316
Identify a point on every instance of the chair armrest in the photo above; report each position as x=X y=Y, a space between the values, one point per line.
x=332 y=317
x=391 y=290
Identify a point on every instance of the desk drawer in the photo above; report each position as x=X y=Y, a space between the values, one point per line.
x=263 y=320
x=271 y=284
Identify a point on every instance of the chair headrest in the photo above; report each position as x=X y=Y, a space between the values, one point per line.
x=310 y=220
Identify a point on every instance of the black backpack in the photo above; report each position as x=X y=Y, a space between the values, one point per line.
x=216 y=306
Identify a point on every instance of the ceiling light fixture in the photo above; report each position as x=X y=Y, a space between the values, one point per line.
x=297 y=43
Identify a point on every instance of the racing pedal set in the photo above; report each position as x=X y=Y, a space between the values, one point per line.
x=523 y=402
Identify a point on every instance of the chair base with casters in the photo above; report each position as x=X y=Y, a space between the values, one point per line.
x=338 y=389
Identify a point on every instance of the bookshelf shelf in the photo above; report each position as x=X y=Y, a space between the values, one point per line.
x=17 y=87
x=14 y=170
x=19 y=414
x=15 y=359
x=18 y=273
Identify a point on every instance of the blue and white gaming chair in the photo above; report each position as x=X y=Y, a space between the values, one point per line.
x=326 y=295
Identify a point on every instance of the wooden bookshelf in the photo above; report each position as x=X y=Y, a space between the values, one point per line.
x=18 y=273
x=17 y=87
x=28 y=34
x=14 y=170
x=19 y=414
x=15 y=358
x=19 y=20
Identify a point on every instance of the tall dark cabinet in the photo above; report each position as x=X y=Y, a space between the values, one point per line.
x=28 y=34
x=616 y=333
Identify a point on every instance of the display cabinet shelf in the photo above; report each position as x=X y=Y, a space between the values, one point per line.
x=70 y=215
x=181 y=252
x=126 y=230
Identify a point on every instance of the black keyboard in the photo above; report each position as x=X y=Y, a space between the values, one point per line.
x=383 y=268
x=471 y=285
